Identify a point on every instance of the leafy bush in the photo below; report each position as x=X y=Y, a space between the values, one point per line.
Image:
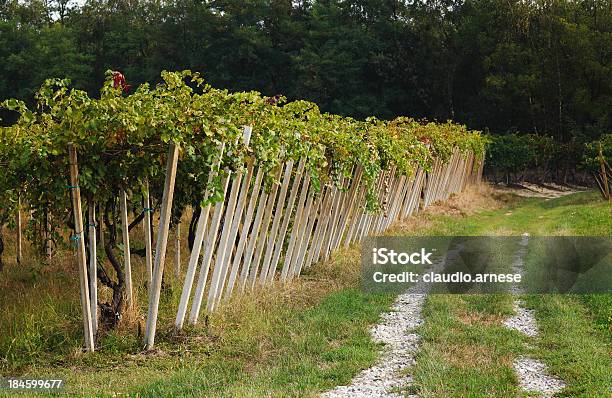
x=590 y=158
x=539 y=158
x=510 y=153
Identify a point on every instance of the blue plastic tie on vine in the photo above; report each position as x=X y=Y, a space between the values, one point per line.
x=75 y=239
x=72 y=186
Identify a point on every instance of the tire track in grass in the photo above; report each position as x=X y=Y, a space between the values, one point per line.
x=532 y=373
x=401 y=346
x=388 y=376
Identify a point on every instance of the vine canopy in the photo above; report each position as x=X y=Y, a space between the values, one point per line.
x=122 y=141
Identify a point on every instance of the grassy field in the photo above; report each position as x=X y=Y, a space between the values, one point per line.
x=302 y=339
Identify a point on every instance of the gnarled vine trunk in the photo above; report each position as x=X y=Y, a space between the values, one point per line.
x=195 y=216
x=111 y=312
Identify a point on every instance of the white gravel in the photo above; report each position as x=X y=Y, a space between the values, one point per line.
x=524 y=320
x=532 y=374
x=384 y=378
x=528 y=190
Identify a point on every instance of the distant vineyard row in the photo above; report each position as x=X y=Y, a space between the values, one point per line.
x=537 y=158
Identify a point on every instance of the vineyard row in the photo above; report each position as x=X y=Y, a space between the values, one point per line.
x=268 y=200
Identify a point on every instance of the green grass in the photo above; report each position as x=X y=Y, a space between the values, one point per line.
x=465 y=351
x=317 y=348
x=578 y=214
x=303 y=339
x=293 y=341
x=291 y=352
x=572 y=345
x=41 y=319
x=600 y=308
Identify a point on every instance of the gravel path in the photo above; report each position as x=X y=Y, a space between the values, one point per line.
x=533 y=377
x=549 y=191
x=524 y=320
x=532 y=374
x=384 y=378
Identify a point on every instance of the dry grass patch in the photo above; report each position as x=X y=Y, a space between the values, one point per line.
x=478 y=318
x=474 y=199
x=464 y=356
x=340 y=271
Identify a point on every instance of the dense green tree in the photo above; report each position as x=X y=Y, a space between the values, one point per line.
x=541 y=67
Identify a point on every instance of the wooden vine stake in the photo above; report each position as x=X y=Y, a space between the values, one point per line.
x=261 y=240
x=227 y=238
x=294 y=233
x=48 y=234
x=125 y=226
x=80 y=246
x=160 y=248
x=197 y=247
x=177 y=253
x=263 y=277
x=224 y=241
x=246 y=225
x=19 y=232
x=101 y=225
x=287 y=219
x=93 y=266
x=147 y=233
x=242 y=199
x=252 y=240
x=603 y=175
x=209 y=247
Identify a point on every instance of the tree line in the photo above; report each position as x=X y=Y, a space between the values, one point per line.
x=539 y=66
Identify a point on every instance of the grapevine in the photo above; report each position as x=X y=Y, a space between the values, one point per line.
x=122 y=139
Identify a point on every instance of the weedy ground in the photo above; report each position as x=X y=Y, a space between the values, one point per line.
x=306 y=337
